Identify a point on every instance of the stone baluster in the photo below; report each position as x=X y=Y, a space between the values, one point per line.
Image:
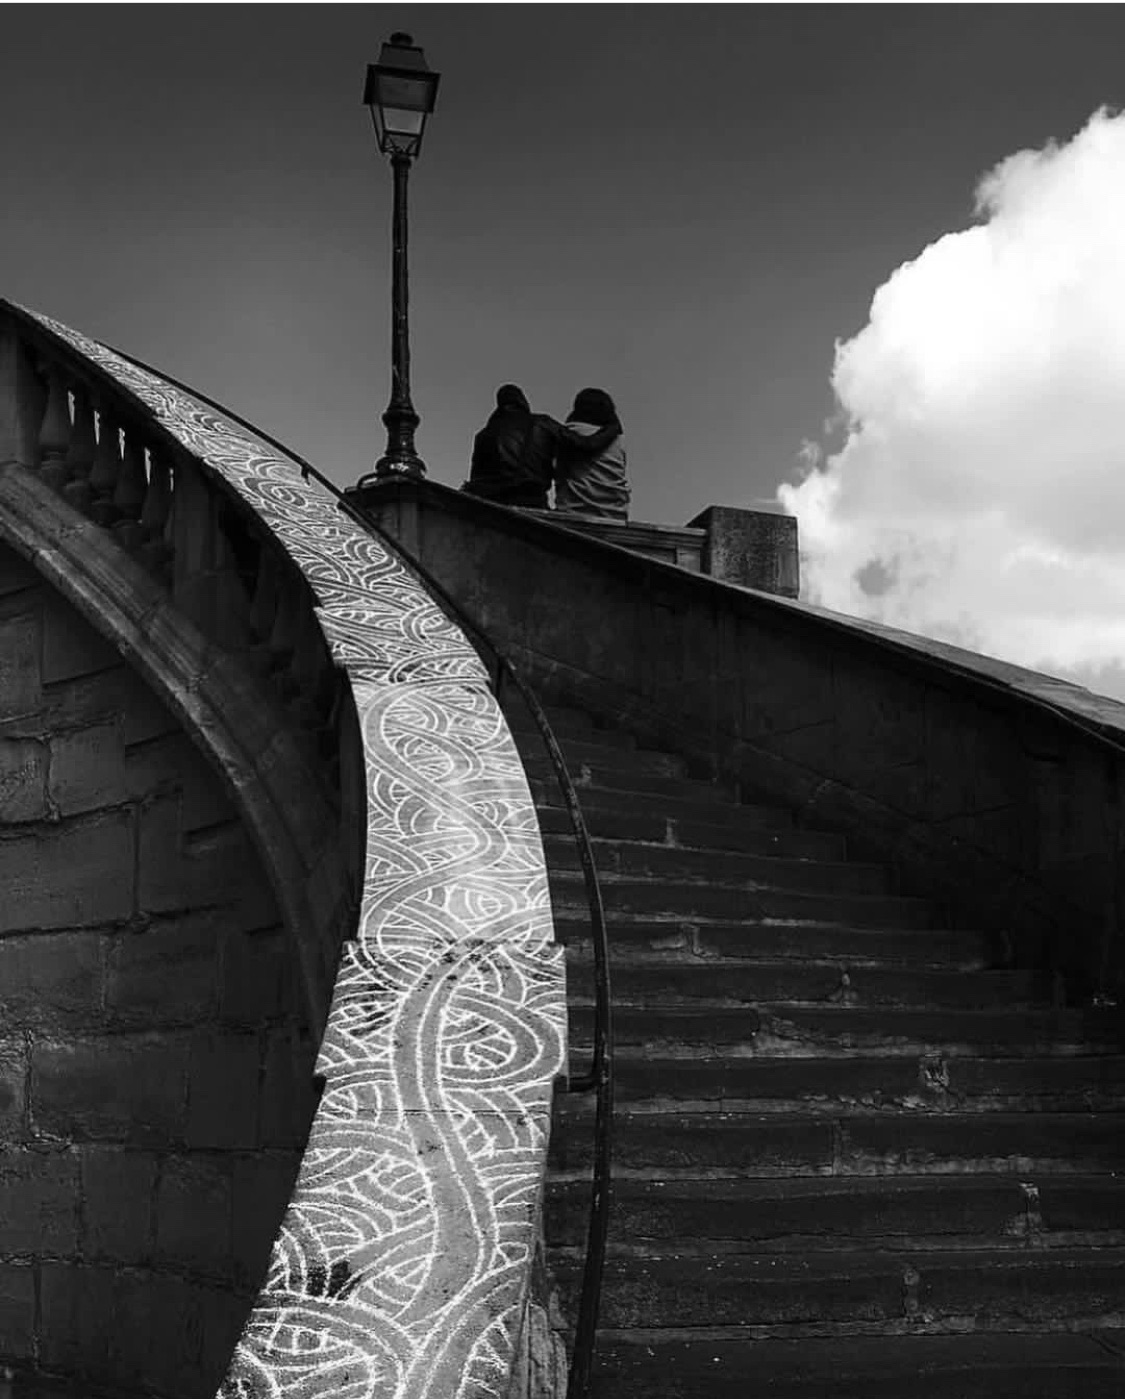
x=205 y=579
x=232 y=604
x=79 y=462
x=156 y=517
x=55 y=432
x=263 y=611
x=283 y=634
x=129 y=495
x=23 y=399
x=106 y=469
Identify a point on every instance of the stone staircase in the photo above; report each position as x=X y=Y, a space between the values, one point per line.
x=855 y=1153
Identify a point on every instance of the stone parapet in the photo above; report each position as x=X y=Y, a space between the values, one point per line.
x=752 y=548
x=997 y=790
x=682 y=546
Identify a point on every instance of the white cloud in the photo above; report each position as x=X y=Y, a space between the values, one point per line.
x=980 y=493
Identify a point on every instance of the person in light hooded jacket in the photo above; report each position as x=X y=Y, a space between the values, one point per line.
x=593 y=483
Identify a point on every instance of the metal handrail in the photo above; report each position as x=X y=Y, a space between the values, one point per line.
x=599 y=1079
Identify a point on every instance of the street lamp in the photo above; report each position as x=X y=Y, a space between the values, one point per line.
x=400 y=92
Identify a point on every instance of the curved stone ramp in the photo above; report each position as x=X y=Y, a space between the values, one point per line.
x=402 y=1263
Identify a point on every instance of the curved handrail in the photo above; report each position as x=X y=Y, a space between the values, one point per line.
x=599 y=1079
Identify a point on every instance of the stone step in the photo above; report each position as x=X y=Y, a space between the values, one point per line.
x=698 y=808
x=689 y=979
x=632 y=860
x=986 y=1289
x=733 y=1364
x=800 y=940
x=580 y=752
x=565 y=724
x=631 y=778
x=755 y=831
x=708 y=1215
x=783 y=1030
x=657 y=898
x=847 y=1142
x=914 y=1084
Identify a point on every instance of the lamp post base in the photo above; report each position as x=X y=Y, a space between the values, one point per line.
x=396 y=465
x=400 y=458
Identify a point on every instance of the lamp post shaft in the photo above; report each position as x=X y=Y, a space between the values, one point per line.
x=400 y=418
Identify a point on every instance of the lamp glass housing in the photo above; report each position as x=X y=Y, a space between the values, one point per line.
x=401 y=92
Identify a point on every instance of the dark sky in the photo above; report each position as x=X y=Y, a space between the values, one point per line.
x=686 y=205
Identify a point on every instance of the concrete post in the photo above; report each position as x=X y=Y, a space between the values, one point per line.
x=752 y=547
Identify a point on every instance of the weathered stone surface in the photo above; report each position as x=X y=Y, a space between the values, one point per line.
x=223 y=1102
x=87 y=769
x=51 y=980
x=38 y=1200
x=19 y=662
x=76 y=875
x=193 y=1215
x=118 y=1185
x=164 y=972
x=23 y=780
x=754 y=548
x=124 y=1088
x=17 y=1310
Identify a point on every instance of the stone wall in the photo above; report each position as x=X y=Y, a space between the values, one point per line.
x=997 y=790
x=155 y=1081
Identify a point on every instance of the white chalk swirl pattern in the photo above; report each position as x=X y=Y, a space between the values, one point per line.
x=400 y=1267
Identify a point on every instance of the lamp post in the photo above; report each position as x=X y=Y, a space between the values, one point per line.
x=400 y=92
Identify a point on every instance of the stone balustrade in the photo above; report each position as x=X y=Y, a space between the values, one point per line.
x=197 y=539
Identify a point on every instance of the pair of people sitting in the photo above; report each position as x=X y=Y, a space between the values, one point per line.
x=518 y=454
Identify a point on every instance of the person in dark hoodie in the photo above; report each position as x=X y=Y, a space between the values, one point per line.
x=513 y=460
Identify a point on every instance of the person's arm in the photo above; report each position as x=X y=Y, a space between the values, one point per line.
x=592 y=444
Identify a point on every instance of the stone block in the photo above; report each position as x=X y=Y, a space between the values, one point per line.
x=76 y=1320
x=20 y=690
x=156 y=766
x=223 y=1090
x=145 y=716
x=50 y=979
x=127 y=1088
x=175 y=1318
x=165 y=973
x=70 y=876
x=288 y=1092
x=71 y=646
x=17 y=1311
x=16 y=574
x=754 y=548
x=204 y=801
x=117 y=1195
x=193 y=1215
x=38 y=1200
x=13 y=1089
x=23 y=780
x=87 y=769
x=257 y=978
x=172 y=876
x=261 y=1188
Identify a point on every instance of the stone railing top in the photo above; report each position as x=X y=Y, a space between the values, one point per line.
x=403 y=1259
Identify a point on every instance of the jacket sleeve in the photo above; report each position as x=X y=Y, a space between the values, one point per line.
x=591 y=445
